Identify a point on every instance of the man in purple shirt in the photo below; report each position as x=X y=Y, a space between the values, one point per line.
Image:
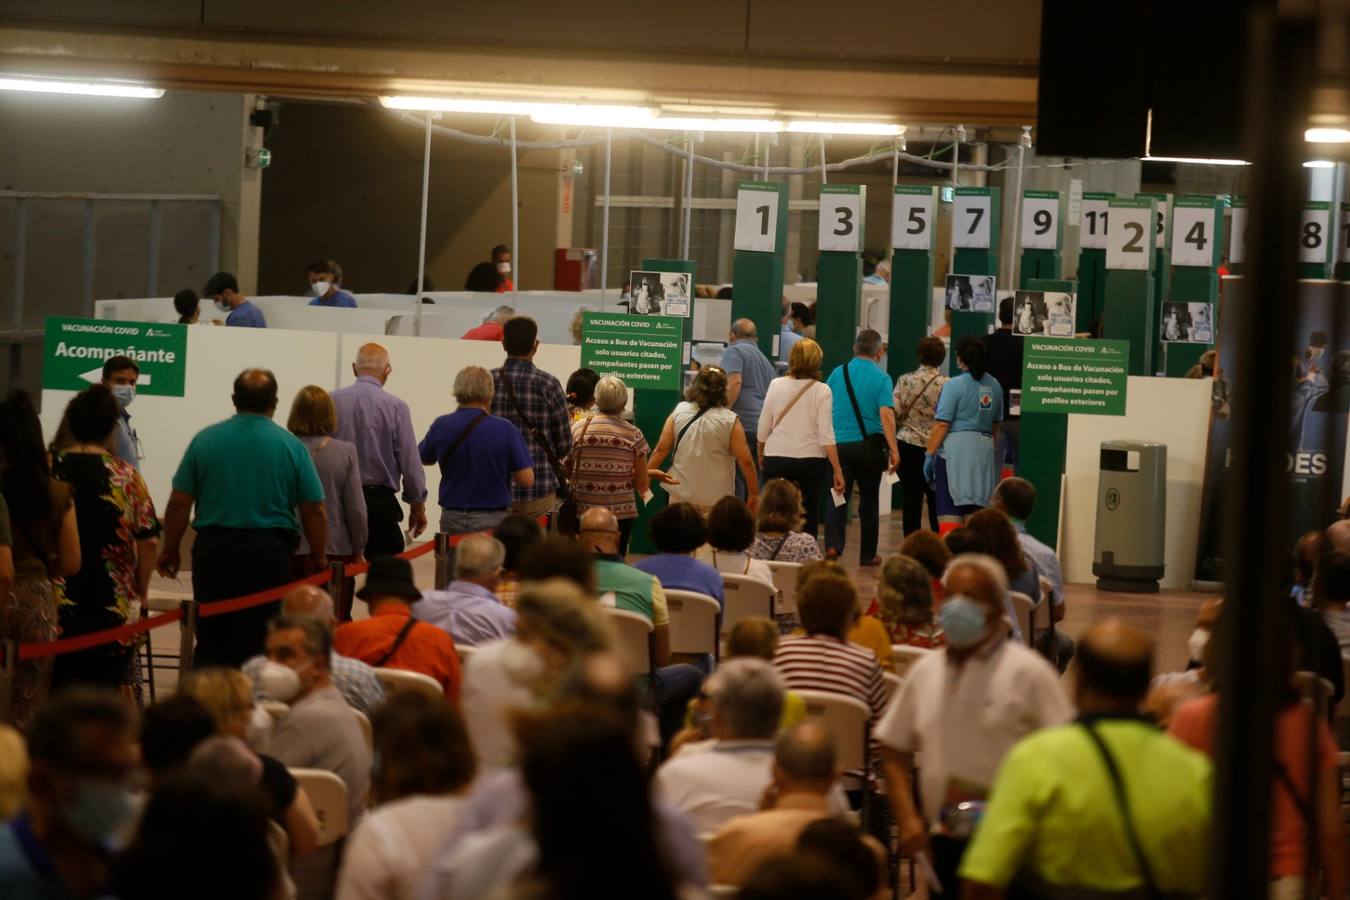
x=468 y=609
x=380 y=425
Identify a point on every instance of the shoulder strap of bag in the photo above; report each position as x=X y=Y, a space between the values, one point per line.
x=398 y=642
x=698 y=415
x=530 y=426
x=853 y=398
x=904 y=416
x=778 y=548
x=1304 y=809
x=810 y=383
x=576 y=450
x=1150 y=885
x=463 y=436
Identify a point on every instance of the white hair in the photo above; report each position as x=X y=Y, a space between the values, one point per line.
x=372 y=358
x=500 y=315
x=611 y=395
x=748 y=694
x=473 y=384
x=478 y=554
x=986 y=564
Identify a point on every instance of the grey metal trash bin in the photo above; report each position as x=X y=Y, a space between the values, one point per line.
x=1128 y=554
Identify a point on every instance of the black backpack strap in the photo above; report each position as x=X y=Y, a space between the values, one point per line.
x=463 y=436
x=1122 y=801
x=687 y=425
x=549 y=452
x=853 y=399
x=398 y=642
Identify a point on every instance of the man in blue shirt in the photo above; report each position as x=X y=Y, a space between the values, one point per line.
x=787 y=335
x=120 y=374
x=748 y=375
x=325 y=280
x=867 y=411
x=469 y=609
x=224 y=290
x=1016 y=498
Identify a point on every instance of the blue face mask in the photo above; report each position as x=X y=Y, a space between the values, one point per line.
x=100 y=809
x=125 y=393
x=963 y=621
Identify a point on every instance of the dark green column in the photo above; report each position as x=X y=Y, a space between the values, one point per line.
x=1237 y=234
x=1314 y=240
x=912 y=218
x=1042 y=234
x=1041 y=454
x=839 y=273
x=1130 y=260
x=976 y=219
x=1092 y=230
x=1197 y=250
x=757 y=273
x=1343 y=266
x=1162 y=270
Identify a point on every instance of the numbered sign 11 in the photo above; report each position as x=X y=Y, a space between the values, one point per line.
x=756 y=217
x=912 y=217
x=1237 y=238
x=1194 y=225
x=1040 y=220
x=1315 y=235
x=970 y=219
x=841 y=217
x=1128 y=244
x=1092 y=224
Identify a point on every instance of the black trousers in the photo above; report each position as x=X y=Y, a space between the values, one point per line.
x=853 y=460
x=809 y=474
x=947 y=853
x=233 y=562
x=103 y=666
x=383 y=515
x=915 y=488
x=625 y=535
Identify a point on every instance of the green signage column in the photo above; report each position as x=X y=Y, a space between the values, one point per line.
x=839 y=276
x=1237 y=237
x=912 y=216
x=757 y=273
x=976 y=218
x=1314 y=241
x=1092 y=258
x=1162 y=269
x=1042 y=233
x=1343 y=265
x=1130 y=260
x=1197 y=250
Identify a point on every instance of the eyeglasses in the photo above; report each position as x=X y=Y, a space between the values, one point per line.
x=599 y=531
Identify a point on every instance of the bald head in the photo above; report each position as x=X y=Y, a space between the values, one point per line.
x=804 y=759
x=599 y=531
x=255 y=391
x=979 y=577
x=1115 y=664
x=1338 y=536
x=310 y=602
x=743 y=330
x=372 y=359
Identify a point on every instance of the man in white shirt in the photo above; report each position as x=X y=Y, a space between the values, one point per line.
x=964 y=708
x=468 y=609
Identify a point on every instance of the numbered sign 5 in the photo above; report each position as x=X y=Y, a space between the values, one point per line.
x=1160 y=226
x=971 y=221
x=841 y=219
x=1237 y=240
x=756 y=220
x=1128 y=245
x=1092 y=227
x=1040 y=221
x=1193 y=236
x=912 y=221
x=1314 y=236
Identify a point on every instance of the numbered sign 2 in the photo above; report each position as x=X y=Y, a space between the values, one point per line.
x=1092 y=226
x=912 y=218
x=1128 y=245
x=1315 y=235
x=1237 y=239
x=756 y=220
x=1040 y=220
x=841 y=217
x=1193 y=235
x=971 y=220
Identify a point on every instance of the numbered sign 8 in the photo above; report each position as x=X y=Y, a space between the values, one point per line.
x=1193 y=236
x=971 y=221
x=756 y=220
x=1160 y=223
x=1237 y=239
x=841 y=218
x=1040 y=220
x=912 y=221
x=1315 y=235
x=1127 y=245
x=1092 y=227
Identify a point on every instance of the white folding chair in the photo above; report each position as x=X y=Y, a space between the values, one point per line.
x=693 y=622
x=464 y=651
x=906 y=656
x=395 y=680
x=785 y=579
x=1025 y=610
x=893 y=682
x=746 y=598
x=328 y=795
x=846 y=719
x=634 y=634
x=367 y=731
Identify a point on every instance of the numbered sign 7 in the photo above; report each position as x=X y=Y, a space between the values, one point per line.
x=970 y=221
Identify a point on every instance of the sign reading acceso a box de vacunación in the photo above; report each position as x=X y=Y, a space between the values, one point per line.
x=645 y=351
x=1075 y=376
x=75 y=350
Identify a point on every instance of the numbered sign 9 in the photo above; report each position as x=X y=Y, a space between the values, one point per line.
x=756 y=220
x=841 y=217
x=1237 y=239
x=912 y=218
x=1193 y=235
x=1040 y=220
x=1314 y=237
x=1128 y=245
x=970 y=221
x=1092 y=226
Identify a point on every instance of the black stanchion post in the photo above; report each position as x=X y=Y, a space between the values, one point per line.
x=187 y=637
x=9 y=661
x=335 y=577
x=442 y=561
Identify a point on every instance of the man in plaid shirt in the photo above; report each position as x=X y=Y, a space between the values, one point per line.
x=535 y=402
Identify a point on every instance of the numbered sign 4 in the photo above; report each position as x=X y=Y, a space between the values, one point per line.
x=912 y=219
x=1237 y=240
x=1128 y=245
x=971 y=221
x=1193 y=235
x=1313 y=246
x=841 y=217
x=1040 y=220
x=756 y=220
x=1092 y=226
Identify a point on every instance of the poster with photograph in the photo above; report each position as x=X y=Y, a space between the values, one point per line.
x=1044 y=313
x=970 y=293
x=659 y=293
x=1187 y=323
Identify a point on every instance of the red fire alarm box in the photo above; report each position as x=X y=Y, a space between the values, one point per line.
x=573 y=269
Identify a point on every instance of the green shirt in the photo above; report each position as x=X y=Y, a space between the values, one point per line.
x=247 y=472
x=632 y=589
x=1053 y=814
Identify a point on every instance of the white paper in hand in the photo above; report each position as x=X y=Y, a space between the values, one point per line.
x=647 y=496
x=892 y=478
x=838 y=497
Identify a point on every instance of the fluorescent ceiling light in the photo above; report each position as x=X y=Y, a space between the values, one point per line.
x=813 y=126
x=1327 y=135
x=84 y=88
x=717 y=124
x=1319 y=164
x=1197 y=160
x=593 y=116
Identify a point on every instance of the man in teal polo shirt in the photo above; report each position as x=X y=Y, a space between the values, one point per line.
x=246 y=476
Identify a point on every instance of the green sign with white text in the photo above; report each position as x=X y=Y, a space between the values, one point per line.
x=645 y=351
x=75 y=350
x=1075 y=376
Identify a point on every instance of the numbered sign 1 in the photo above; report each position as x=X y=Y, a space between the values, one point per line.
x=971 y=220
x=1092 y=225
x=1237 y=238
x=1193 y=232
x=912 y=217
x=1040 y=220
x=841 y=217
x=756 y=219
x=1128 y=245
x=1314 y=237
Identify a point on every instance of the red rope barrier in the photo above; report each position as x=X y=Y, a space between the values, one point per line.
x=95 y=638
x=351 y=570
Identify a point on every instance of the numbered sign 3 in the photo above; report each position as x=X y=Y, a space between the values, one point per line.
x=1040 y=220
x=1313 y=241
x=971 y=221
x=1128 y=245
x=841 y=217
x=912 y=218
x=756 y=220
x=1160 y=226
x=1237 y=239
x=1193 y=235
x=1092 y=226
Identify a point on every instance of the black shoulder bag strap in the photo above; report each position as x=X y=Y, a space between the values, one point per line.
x=778 y=548
x=687 y=425
x=463 y=436
x=530 y=426
x=398 y=642
x=853 y=399
x=1145 y=870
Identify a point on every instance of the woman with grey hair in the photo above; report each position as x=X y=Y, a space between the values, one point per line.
x=480 y=456
x=608 y=461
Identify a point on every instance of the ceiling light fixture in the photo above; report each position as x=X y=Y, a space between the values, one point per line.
x=128 y=89
x=1195 y=160
x=716 y=124
x=873 y=129
x=1319 y=164
x=1327 y=135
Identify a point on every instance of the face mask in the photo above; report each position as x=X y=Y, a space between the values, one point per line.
x=279 y=682
x=124 y=393
x=1196 y=644
x=223 y=306
x=504 y=268
x=99 y=810
x=963 y=621
x=259 y=728
x=321 y=287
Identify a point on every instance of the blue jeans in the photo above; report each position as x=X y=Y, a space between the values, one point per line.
x=467 y=521
x=674 y=686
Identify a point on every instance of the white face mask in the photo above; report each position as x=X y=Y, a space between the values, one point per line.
x=1196 y=644
x=504 y=268
x=321 y=287
x=258 y=731
x=280 y=682
x=223 y=306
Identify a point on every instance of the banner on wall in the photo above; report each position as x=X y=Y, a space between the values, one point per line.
x=1319 y=385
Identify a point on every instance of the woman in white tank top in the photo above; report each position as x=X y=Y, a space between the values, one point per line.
x=707 y=442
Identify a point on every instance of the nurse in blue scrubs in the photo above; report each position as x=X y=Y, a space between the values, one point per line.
x=960 y=463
